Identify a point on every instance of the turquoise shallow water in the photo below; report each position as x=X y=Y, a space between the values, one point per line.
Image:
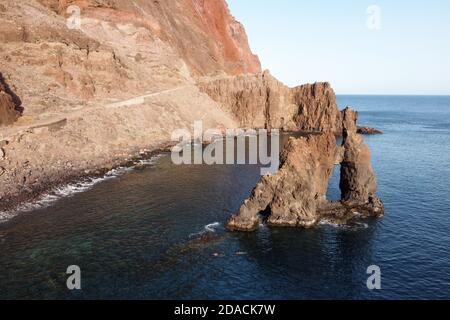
x=136 y=235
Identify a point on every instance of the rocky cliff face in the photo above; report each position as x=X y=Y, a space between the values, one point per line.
x=202 y=32
x=296 y=195
x=261 y=101
x=93 y=98
x=123 y=49
x=135 y=71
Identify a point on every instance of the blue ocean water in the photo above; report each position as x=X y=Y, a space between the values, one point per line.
x=137 y=235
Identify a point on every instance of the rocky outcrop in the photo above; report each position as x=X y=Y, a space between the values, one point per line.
x=293 y=196
x=261 y=101
x=8 y=112
x=296 y=195
x=369 y=131
x=358 y=182
x=317 y=108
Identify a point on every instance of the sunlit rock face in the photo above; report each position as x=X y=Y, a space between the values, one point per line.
x=181 y=60
x=202 y=32
x=296 y=195
x=261 y=101
x=358 y=181
x=292 y=196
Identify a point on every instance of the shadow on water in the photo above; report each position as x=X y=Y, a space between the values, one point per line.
x=288 y=259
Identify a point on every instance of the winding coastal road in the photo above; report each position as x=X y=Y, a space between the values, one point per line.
x=58 y=120
x=141 y=99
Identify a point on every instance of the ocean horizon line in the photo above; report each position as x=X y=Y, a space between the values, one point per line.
x=391 y=95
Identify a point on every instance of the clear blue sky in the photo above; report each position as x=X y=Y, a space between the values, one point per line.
x=327 y=40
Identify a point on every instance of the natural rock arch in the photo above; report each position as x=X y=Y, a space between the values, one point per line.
x=296 y=195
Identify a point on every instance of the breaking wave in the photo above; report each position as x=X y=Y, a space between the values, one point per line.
x=209 y=228
x=68 y=190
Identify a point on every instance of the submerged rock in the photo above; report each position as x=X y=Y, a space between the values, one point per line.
x=369 y=131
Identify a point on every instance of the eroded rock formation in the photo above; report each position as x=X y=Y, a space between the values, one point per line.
x=293 y=196
x=261 y=101
x=358 y=180
x=296 y=195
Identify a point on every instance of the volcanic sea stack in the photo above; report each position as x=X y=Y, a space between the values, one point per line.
x=296 y=195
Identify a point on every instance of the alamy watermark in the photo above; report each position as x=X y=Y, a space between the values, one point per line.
x=73 y=22
x=374 y=20
x=374 y=280
x=74 y=280
x=227 y=147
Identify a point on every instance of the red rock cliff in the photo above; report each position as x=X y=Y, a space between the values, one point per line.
x=203 y=32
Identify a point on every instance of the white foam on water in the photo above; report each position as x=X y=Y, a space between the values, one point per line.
x=209 y=228
x=326 y=222
x=363 y=225
x=353 y=226
x=149 y=162
x=5 y=215
x=47 y=199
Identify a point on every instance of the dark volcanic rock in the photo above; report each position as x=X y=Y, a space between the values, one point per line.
x=358 y=179
x=293 y=195
x=317 y=108
x=341 y=212
x=296 y=195
x=369 y=131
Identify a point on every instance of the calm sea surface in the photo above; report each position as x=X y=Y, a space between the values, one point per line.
x=135 y=235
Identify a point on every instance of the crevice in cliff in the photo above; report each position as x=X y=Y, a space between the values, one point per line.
x=267 y=111
x=10 y=104
x=15 y=98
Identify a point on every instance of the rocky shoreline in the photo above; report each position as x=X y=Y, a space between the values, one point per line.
x=11 y=203
x=75 y=104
